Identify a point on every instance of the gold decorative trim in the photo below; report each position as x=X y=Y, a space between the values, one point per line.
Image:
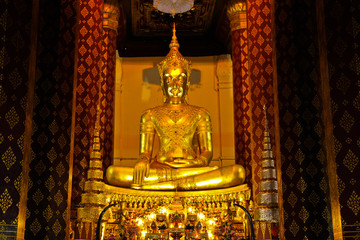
x=268 y=163
x=111 y=15
x=268 y=186
x=268 y=199
x=328 y=124
x=230 y=193
x=95 y=155
x=72 y=133
x=94 y=186
x=93 y=198
x=267 y=174
x=28 y=122
x=267 y=154
x=95 y=174
x=89 y=214
x=95 y=164
x=277 y=128
x=237 y=14
x=267 y=214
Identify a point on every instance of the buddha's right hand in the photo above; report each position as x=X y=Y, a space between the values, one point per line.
x=141 y=170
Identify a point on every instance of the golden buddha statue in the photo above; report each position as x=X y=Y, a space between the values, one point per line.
x=185 y=135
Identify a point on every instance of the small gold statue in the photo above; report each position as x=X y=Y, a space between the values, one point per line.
x=185 y=136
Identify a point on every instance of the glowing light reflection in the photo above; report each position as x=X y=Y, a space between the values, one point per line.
x=139 y=221
x=151 y=178
x=163 y=210
x=209 y=182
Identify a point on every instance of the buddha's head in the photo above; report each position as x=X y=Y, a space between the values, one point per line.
x=174 y=74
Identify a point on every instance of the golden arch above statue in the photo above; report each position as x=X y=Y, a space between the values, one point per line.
x=185 y=136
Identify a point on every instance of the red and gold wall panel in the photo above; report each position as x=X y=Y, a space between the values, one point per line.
x=342 y=21
x=261 y=81
x=47 y=208
x=87 y=89
x=303 y=163
x=15 y=25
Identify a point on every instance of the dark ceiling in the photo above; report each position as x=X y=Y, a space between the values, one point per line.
x=145 y=31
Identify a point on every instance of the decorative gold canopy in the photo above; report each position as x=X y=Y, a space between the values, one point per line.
x=174 y=6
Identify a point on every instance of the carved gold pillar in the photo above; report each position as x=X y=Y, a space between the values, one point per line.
x=252 y=71
x=87 y=61
x=107 y=85
x=237 y=14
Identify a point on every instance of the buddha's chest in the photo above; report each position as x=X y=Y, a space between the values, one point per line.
x=175 y=123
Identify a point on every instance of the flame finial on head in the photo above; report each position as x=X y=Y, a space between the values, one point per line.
x=174 y=43
x=174 y=57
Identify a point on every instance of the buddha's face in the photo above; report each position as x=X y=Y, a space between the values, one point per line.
x=175 y=84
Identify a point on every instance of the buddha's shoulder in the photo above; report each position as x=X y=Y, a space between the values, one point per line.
x=198 y=110
x=148 y=113
x=153 y=110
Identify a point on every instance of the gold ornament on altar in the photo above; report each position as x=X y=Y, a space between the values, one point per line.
x=185 y=140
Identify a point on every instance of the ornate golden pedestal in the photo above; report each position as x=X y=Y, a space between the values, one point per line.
x=166 y=214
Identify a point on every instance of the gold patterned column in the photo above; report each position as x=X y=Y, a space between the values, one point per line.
x=237 y=13
x=88 y=76
x=93 y=200
x=111 y=14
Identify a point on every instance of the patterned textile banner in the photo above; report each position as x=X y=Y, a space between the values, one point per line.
x=49 y=167
x=15 y=21
x=303 y=163
x=242 y=116
x=342 y=21
x=253 y=88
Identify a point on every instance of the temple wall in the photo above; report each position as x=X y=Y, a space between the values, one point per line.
x=138 y=88
x=303 y=159
x=48 y=202
x=318 y=90
x=37 y=61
